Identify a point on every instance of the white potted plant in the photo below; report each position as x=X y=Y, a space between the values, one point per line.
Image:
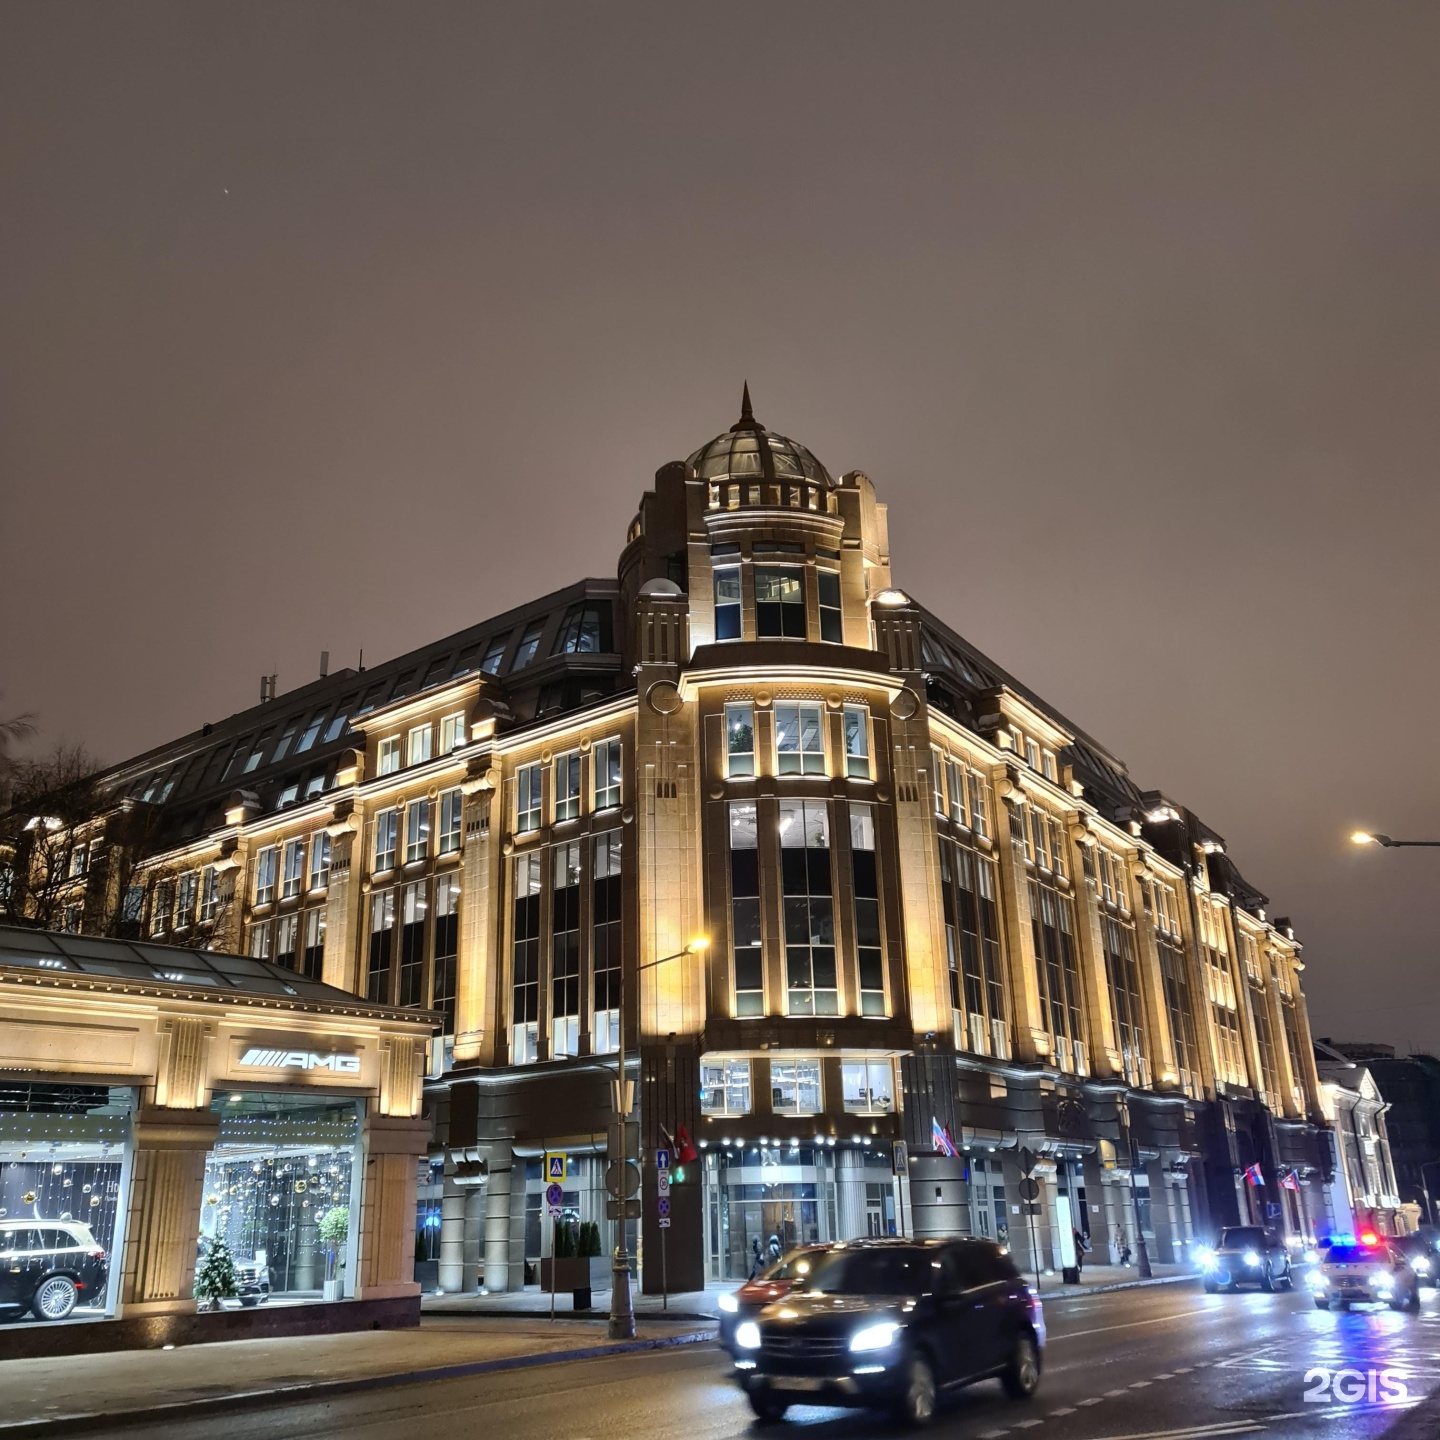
x=334 y=1230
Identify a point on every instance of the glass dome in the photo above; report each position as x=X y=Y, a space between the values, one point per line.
x=747 y=450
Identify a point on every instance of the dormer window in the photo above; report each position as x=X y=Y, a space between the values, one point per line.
x=529 y=644
x=779 y=602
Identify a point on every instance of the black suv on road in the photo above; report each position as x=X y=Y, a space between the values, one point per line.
x=893 y=1323
x=1246 y=1255
x=48 y=1267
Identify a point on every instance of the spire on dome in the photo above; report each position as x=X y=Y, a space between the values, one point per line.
x=747 y=420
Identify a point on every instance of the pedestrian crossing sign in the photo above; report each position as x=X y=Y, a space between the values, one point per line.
x=555 y=1166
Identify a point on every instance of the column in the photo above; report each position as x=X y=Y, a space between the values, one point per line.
x=394 y=1146
x=497 y=1222
x=472 y=1251
x=452 y=1233
x=168 y=1153
x=849 y=1195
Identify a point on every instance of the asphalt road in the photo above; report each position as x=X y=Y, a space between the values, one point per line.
x=1140 y=1364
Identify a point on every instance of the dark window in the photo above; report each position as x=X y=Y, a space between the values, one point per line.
x=780 y=602
x=585 y=630
x=494 y=654
x=831 y=625
x=727 y=602
x=889 y=1271
x=466 y=661
x=529 y=644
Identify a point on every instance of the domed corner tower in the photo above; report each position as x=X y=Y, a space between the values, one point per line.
x=763 y=540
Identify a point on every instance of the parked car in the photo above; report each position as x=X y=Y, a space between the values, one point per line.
x=893 y=1323
x=771 y=1284
x=252 y=1282
x=48 y=1267
x=1246 y=1255
x=1367 y=1271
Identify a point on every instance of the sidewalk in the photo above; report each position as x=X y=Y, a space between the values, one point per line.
x=62 y=1395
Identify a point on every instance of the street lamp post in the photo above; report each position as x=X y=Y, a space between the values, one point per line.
x=1425 y=1188
x=1369 y=837
x=622 y=1302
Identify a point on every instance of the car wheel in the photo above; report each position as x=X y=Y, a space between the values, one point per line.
x=1211 y=1288
x=1321 y=1303
x=249 y=1301
x=1288 y=1279
x=916 y=1405
x=1267 y=1282
x=1413 y=1303
x=1341 y=1305
x=55 y=1298
x=1022 y=1375
x=766 y=1406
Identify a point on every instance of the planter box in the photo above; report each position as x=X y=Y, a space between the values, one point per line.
x=588 y=1272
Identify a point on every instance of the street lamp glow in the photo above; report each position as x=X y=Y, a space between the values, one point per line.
x=1362 y=837
x=699 y=943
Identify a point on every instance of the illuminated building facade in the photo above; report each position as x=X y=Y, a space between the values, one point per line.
x=938 y=912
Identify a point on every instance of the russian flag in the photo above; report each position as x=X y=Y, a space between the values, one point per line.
x=1254 y=1174
x=940 y=1138
x=1290 y=1181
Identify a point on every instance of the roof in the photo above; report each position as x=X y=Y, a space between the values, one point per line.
x=748 y=451
x=170 y=966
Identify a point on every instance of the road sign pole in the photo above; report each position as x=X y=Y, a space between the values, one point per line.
x=552 y=1266
x=664 y=1281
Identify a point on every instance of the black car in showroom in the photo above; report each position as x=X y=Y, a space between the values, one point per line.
x=894 y=1324
x=48 y=1267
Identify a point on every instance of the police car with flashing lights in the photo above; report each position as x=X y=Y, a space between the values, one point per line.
x=1364 y=1270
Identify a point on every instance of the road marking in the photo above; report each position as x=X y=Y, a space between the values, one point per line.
x=1025 y=1424
x=1167 y=1375
x=1204 y=1432
x=1093 y=1400
x=1183 y=1370
x=1128 y=1325
x=1063 y=1410
x=1138 y=1384
x=1110 y=1393
x=992 y=1434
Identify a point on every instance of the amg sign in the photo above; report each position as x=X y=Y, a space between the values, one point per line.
x=259 y=1059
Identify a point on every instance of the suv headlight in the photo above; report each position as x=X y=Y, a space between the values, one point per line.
x=875 y=1337
x=729 y=1304
x=1420 y=1265
x=1318 y=1281
x=1383 y=1281
x=747 y=1336
x=1252 y=1257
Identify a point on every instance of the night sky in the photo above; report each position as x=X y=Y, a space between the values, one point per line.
x=330 y=326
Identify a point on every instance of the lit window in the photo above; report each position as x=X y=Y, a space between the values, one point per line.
x=417 y=745
x=1032 y=754
x=529 y=644
x=525 y=961
x=527 y=799
x=605 y=899
x=868 y=1086
x=163 y=908
x=287 y=931
x=832 y=626
x=312 y=731
x=265 y=876
x=725 y=1087
x=452 y=733
x=565 y=951
x=387 y=824
x=417 y=831
x=567 y=786
x=286 y=736
x=293 y=869
x=865 y=888
x=740 y=739
x=209 y=893
x=261 y=938
x=319 y=860
x=452 y=807
x=795 y=1087
x=382 y=942
x=1049 y=766
x=312 y=964
x=606 y=763
x=809 y=908
x=747 y=958
x=857 y=742
x=494 y=654
x=727 y=602
x=257 y=754
x=779 y=602
x=445 y=949
x=799 y=739
x=390 y=755
x=185 y=899
x=414 y=906
x=79 y=859
x=337 y=726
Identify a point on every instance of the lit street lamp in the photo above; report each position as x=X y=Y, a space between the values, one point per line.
x=622 y=1304
x=1366 y=837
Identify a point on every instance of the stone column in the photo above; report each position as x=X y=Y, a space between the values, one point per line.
x=497 y=1222
x=472 y=1252
x=1165 y=1216
x=167 y=1166
x=849 y=1195
x=453 y=1205
x=1105 y=1238
x=394 y=1146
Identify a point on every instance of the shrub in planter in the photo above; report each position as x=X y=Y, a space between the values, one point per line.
x=215 y=1277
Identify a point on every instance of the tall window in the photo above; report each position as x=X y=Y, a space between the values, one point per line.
x=292 y=874
x=525 y=962
x=185 y=899
x=445 y=944
x=527 y=799
x=605 y=761
x=800 y=738
x=857 y=742
x=567 y=786
x=209 y=894
x=417 y=745
x=972 y=945
x=417 y=831
x=795 y=1087
x=287 y=937
x=809 y=907
x=452 y=810
x=1122 y=974
x=724 y=1087
x=780 y=602
x=745 y=910
x=313 y=963
x=265 y=876
x=262 y=939
x=452 y=733
x=866 y=887
x=413 y=907
x=1052 y=920
x=319 y=860
x=565 y=950
x=1163 y=910
x=387 y=825
x=727 y=602
x=529 y=644
x=605 y=942
x=1220 y=982
x=382 y=940
x=832 y=625
x=964 y=797
x=162 y=908
x=740 y=739
x=390 y=755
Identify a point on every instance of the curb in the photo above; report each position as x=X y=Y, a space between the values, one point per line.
x=1079 y=1292
x=323 y=1389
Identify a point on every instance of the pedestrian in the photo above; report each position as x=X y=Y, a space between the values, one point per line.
x=775 y=1251
x=1125 y=1252
x=757 y=1263
x=1082 y=1249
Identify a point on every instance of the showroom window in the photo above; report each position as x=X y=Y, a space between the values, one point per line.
x=795 y=1087
x=868 y=1086
x=280 y=1190
x=725 y=1087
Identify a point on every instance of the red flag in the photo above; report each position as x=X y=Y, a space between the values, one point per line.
x=685 y=1152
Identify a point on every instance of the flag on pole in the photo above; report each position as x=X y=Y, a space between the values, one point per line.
x=940 y=1138
x=1254 y=1174
x=1290 y=1181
